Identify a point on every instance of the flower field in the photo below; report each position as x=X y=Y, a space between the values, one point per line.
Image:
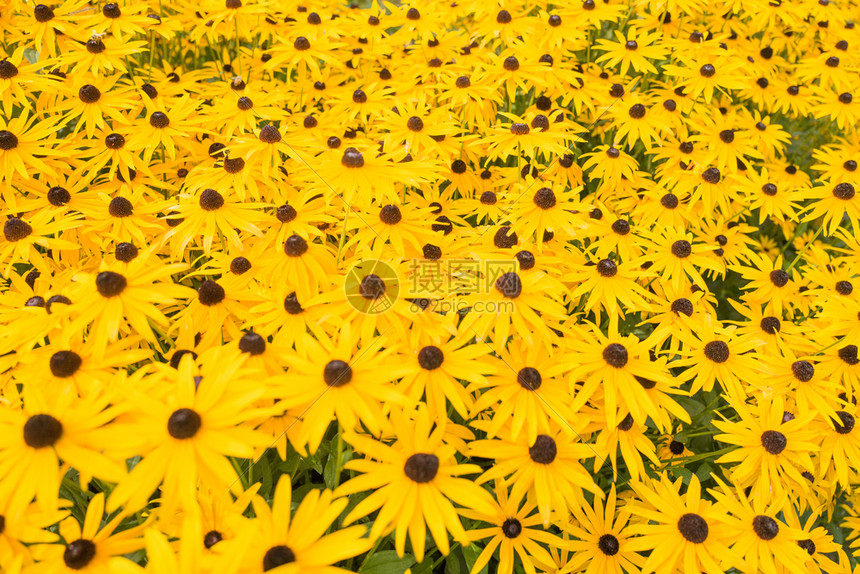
x=469 y=287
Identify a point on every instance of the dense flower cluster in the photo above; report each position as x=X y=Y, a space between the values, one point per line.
x=308 y=287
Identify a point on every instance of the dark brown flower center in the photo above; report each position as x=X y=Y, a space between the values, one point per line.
x=252 y=343
x=211 y=538
x=89 y=94
x=511 y=528
x=526 y=260
x=42 y=430
x=682 y=305
x=717 y=351
x=608 y=544
x=65 y=363
x=269 y=134
x=779 y=278
x=112 y=11
x=415 y=124
x=682 y=249
x=292 y=305
x=184 y=424
x=803 y=371
x=607 y=268
x=430 y=357
x=337 y=373
x=79 y=553
x=509 y=285
x=503 y=240
x=125 y=252
x=844 y=191
x=43 y=13
x=16 y=229
x=110 y=284
x=544 y=450
x=615 y=355
x=277 y=556
x=390 y=215
x=8 y=140
x=848 y=354
x=693 y=528
x=421 y=467
x=529 y=378
x=707 y=71
x=637 y=111
x=352 y=158
x=544 y=198
x=711 y=175
x=372 y=287
x=239 y=265
x=295 y=246
x=773 y=442
x=765 y=527
x=210 y=293
x=211 y=200
x=770 y=325
x=845 y=424
x=7 y=69
x=159 y=120
x=669 y=201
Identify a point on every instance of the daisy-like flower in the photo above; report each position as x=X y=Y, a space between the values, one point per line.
x=607 y=284
x=513 y=533
x=167 y=124
x=210 y=214
x=24 y=236
x=525 y=393
x=335 y=378
x=548 y=211
x=833 y=201
x=122 y=298
x=101 y=53
x=768 y=282
x=714 y=354
x=602 y=538
x=706 y=78
x=24 y=141
x=437 y=364
x=91 y=547
x=773 y=451
x=415 y=480
x=634 y=51
x=680 y=529
x=762 y=542
x=40 y=429
x=299 y=540
x=188 y=433
x=547 y=469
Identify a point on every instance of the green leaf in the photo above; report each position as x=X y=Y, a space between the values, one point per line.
x=455 y=564
x=471 y=553
x=387 y=562
x=31 y=55
x=329 y=472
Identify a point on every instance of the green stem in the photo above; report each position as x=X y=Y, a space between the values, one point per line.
x=342 y=236
x=337 y=461
x=151 y=54
x=369 y=554
x=238 y=54
x=805 y=247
